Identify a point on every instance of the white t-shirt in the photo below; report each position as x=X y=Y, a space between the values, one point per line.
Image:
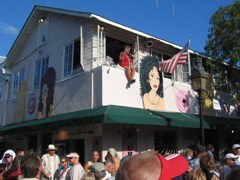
x=75 y=173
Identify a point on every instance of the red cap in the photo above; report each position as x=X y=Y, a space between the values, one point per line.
x=172 y=166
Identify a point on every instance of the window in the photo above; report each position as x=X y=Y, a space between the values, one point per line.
x=162 y=57
x=18 y=77
x=41 y=67
x=72 y=58
x=43 y=32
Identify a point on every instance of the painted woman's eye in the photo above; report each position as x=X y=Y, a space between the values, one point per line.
x=151 y=75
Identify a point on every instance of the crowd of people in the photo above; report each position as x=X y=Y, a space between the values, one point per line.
x=195 y=163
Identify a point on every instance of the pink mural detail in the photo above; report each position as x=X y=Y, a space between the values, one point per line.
x=31 y=104
x=183 y=101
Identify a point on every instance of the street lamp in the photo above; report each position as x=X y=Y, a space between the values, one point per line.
x=199 y=78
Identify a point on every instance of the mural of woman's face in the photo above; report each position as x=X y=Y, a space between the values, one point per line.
x=44 y=91
x=154 y=79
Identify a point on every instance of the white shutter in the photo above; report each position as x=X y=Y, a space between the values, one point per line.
x=101 y=46
x=81 y=46
x=136 y=54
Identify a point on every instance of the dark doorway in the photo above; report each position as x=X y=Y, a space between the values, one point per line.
x=46 y=139
x=80 y=149
x=114 y=47
x=32 y=142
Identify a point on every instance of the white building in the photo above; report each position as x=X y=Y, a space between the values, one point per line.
x=90 y=107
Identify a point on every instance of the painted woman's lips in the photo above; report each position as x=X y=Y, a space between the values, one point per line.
x=155 y=86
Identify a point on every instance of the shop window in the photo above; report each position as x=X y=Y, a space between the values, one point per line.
x=165 y=142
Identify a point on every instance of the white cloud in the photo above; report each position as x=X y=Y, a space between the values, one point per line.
x=8 y=29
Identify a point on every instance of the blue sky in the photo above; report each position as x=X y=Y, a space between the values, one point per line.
x=173 y=20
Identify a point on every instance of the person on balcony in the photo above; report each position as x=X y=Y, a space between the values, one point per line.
x=126 y=61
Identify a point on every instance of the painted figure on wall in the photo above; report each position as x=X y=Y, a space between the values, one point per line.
x=20 y=103
x=46 y=103
x=151 y=84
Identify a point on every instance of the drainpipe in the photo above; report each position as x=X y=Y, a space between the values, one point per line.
x=92 y=87
x=5 y=101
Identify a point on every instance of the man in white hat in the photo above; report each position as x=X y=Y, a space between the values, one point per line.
x=50 y=162
x=230 y=160
x=77 y=171
x=236 y=150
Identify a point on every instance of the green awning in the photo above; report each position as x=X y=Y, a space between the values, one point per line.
x=118 y=115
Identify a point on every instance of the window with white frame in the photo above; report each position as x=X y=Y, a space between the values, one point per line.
x=41 y=67
x=161 y=58
x=72 y=58
x=18 y=77
x=43 y=31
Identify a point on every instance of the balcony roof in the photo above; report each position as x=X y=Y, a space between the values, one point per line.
x=118 y=115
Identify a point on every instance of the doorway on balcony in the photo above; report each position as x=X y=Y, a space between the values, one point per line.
x=114 y=47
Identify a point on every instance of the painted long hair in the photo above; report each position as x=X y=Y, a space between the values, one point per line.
x=147 y=64
x=49 y=79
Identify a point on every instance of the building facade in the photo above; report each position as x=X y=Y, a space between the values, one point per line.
x=65 y=87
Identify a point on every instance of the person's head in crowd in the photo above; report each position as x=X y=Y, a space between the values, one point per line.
x=108 y=157
x=207 y=164
x=14 y=168
x=64 y=162
x=210 y=147
x=151 y=165
x=61 y=150
x=188 y=154
x=51 y=149
x=113 y=152
x=230 y=159
x=95 y=156
x=109 y=165
x=88 y=176
x=8 y=158
x=31 y=166
x=234 y=174
x=236 y=149
x=19 y=152
x=197 y=150
x=73 y=158
x=98 y=169
x=196 y=174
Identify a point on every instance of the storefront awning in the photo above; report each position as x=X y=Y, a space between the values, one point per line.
x=118 y=115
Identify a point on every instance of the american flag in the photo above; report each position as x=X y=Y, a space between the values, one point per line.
x=170 y=65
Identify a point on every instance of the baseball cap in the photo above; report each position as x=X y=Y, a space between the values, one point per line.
x=230 y=156
x=7 y=155
x=235 y=146
x=172 y=166
x=74 y=154
x=98 y=169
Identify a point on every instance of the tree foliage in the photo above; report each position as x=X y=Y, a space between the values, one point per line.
x=223 y=42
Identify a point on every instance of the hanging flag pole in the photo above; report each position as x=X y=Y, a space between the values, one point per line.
x=170 y=65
